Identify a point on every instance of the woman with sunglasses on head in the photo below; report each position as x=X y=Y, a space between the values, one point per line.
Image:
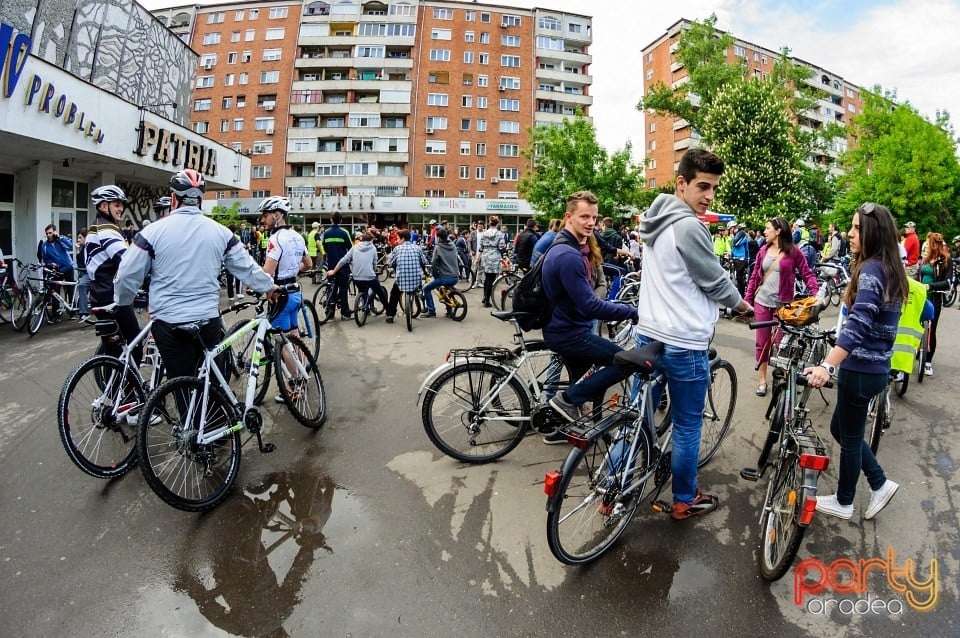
x=772 y=284
x=861 y=359
x=935 y=272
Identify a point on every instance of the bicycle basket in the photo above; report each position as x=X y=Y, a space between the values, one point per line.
x=801 y=312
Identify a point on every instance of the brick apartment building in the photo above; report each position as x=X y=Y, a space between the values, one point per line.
x=390 y=112
x=667 y=138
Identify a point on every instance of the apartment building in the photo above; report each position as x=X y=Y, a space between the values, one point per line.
x=396 y=112
x=667 y=138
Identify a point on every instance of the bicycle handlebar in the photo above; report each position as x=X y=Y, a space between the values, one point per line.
x=754 y=325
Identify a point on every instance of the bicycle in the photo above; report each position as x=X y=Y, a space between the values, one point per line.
x=16 y=294
x=923 y=352
x=98 y=408
x=322 y=299
x=365 y=304
x=188 y=440
x=49 y=304
x=800 y=454
x=950 y=295
x=502 y=290
x=452 y=299
x=835 y=277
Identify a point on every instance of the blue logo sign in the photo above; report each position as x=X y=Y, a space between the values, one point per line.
x=14 y=51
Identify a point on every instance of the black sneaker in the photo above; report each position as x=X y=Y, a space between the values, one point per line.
x=564 y=408
x=555 y=438
x=389 y=320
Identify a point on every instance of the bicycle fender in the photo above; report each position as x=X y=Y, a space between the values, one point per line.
x=447 y=365
x=569 y=464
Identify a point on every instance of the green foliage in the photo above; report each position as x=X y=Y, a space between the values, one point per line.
x=225 y=215
x=567 y=158
x=903 y=161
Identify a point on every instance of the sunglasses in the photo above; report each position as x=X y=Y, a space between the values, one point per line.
x=868 y=209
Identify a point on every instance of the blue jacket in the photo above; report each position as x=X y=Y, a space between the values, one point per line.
x=568 y=289
x=56 y=252
x=336 y=244
x=871 y=326
x=542 y=244
x=739 y=245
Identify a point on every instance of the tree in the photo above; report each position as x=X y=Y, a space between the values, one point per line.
x=225 y=215
x=903 y=161
x=567 y=158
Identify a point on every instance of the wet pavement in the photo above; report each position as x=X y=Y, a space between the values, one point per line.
x=364 y=529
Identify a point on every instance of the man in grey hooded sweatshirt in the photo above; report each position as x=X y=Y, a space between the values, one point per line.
x=446 y=269
x=682 y=287
x=363 y=257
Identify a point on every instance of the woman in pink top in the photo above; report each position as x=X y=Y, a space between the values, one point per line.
x=772 y=284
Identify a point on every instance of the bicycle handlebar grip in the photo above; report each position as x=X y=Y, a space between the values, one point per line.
x=802 y=380
x=763 y=324
x=294 y=287
x=109 y=308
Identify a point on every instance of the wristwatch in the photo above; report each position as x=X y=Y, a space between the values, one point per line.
x=831 y=369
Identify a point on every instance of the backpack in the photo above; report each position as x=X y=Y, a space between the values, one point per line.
x=529 y=295
x=844 y=247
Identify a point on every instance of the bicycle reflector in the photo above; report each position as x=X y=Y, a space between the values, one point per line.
x=550 y=482
x=806 y=512
x=816 y=462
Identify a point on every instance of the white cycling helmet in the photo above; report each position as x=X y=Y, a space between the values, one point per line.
x=108 y=193
x=270 y=204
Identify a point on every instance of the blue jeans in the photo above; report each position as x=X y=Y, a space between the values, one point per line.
x=854 y=391
x=435 y=283
x=688 y=375
x=581 y=352
x=83 y=289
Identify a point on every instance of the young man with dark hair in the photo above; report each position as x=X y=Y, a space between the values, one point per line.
x=525 y=242
x=336 y=244
x=446 y=269
x=682 y=287
x=408 y=262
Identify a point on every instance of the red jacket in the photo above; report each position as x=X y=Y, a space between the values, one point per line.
x=911 y=243
x=790 y=264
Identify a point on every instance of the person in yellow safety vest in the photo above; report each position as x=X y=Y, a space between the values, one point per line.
x=721 y=243
x=909 y=329
x=264 y=242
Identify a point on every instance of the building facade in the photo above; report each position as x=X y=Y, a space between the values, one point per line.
x=97 y=95
x=668 y=138
x=393 y=112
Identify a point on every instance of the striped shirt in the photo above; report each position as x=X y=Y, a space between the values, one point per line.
x=104 y=248
x=871 y=325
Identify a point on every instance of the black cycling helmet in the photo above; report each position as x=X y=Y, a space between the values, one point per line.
x=162 y=205
x=109 y=193
x=187 y=184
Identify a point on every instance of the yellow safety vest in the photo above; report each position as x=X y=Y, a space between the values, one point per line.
x=909 y=329
x=264 y=240
x=312 y=243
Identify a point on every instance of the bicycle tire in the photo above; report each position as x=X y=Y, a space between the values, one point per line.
x=240 y=360
x=38 y=314
x=922 y=356
x=950 y=297
x=6 y=304
x=408 y=309
x=500 y=288
x=458 y=307
x=184 y=474
x=305 y=398
x=721 y=401
x=832 y=294
x=98 y=442
x=310 y=332
x=321 y=299
x=876 y=415
x=900 y=383
x=361 y=308
x=20 y=312
x=587 y=514
x=453 y=421
x=780 y=532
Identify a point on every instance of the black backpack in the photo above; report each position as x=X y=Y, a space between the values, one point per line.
x=529 y=295
x=844 y=248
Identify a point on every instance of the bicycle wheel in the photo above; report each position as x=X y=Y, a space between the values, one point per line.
x=589 y=511
x=183 y=473
x=6 y=304
x=950 y=297
x=780 y=533
x=309 y=328
x=321 y=299
x=462 y=420
x=900 y=383
x=92 y=417
x=20 y=311
x=38 y=315
x=361 y=308
x=717 y=410
x=304 y=396
x=876 y=416
x=922 y=356
x=458 y=305
x=832 y=293
x=243 y=350
x=408 y=309
x=500 y=290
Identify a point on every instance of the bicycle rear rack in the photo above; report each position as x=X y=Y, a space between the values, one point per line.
x=588 y=427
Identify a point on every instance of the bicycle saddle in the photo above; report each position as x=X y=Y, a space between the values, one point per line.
x=642 y=359
x=507 y=315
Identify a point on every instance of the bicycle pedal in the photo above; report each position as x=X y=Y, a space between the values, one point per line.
x=267 y=448
x=662 y=507
x=750 y=474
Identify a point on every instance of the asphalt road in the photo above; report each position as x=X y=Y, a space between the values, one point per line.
x=364 y=529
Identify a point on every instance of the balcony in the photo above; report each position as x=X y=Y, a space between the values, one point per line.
x=326 y=63
x=565 y=98
x=558 y=75
x=564 y=56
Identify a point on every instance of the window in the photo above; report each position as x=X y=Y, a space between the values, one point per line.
x=249 y=35
x=204 y=81
x=508 y=150
x=756 y=56
x=437 y=99
x=575 y=28
x=243 y=79
x=434 y=193
x=653 y=127
x=549 y=23
x=506 y=126
x=763 y=59
x=207 y=61
x=261 y=171
x=239 y=15
x=435 y=171
x=245 y=57
x=479 y=195
x=652 y=145
x=201 y=105
x=508 y=174
x=507 y=82
x=278 y=13
x=330 y=170
x=466 y=101
x=652 y=162
x=403 y=9
x=211 y=38
x=440 y=55
x=369 y=120
x=484 y=37
x=241 y=101
x=262 y=148
x=468 y=36
x=254 y=14
x=228 y=79
x=465 y=124
x=481 y=101
x=484 y=17
x=510 y=60
x=334 y=122
x=227 y=101
x=470 y=16
x=442 y=14
x=263 y=124
x=480 y=172
x=441 y=34
x=484 y=59
x=370 y=51
x=464 y=148
x=468 y=57
x=301 y=146
x=436 y=147
x=510 y=40
x=361 y=145
x=510 y=21
x=267 y=100
x=238 y=124
x=235 y=36
x=509 y=105
x=468 y=79
x=224 y=126
x=464 y=171
x=480 y=148
x=201 y=127
x=739 y=51
x=464 y=194
x=276 y=33
x=852 y=108
x=259 y=194
x=215 y=18
x=439 y=77
x=483 y=80
x=269 y=77
x=553 y=44
x=481 y=125
x=270 y=55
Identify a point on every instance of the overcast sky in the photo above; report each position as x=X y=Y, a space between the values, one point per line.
x=912 y=46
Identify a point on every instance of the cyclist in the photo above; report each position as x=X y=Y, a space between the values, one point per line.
x=336 y=243
x=54 y=252
x=935 y=272
x=183 y=257
x=524 y=243
x=363 y=259
x=683 y=283
x=286 y=258
x=105 y=247
x=408 y=262
x=446 y=271
x=161 y=207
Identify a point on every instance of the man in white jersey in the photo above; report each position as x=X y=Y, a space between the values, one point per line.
x=286 y=257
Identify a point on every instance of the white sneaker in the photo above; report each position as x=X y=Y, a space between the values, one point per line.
x=829 y=505
x=82 y=318
x=928 y=369
x=278 y=399
x=880 y=498
x=133 y=419
x=240 y=296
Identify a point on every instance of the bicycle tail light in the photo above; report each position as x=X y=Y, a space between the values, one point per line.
x=550 y=482
x=809 y=506
x=818 y=462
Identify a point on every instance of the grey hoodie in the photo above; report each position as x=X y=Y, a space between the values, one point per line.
x=683 y=281
x=363 y=257
x=445 y=261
